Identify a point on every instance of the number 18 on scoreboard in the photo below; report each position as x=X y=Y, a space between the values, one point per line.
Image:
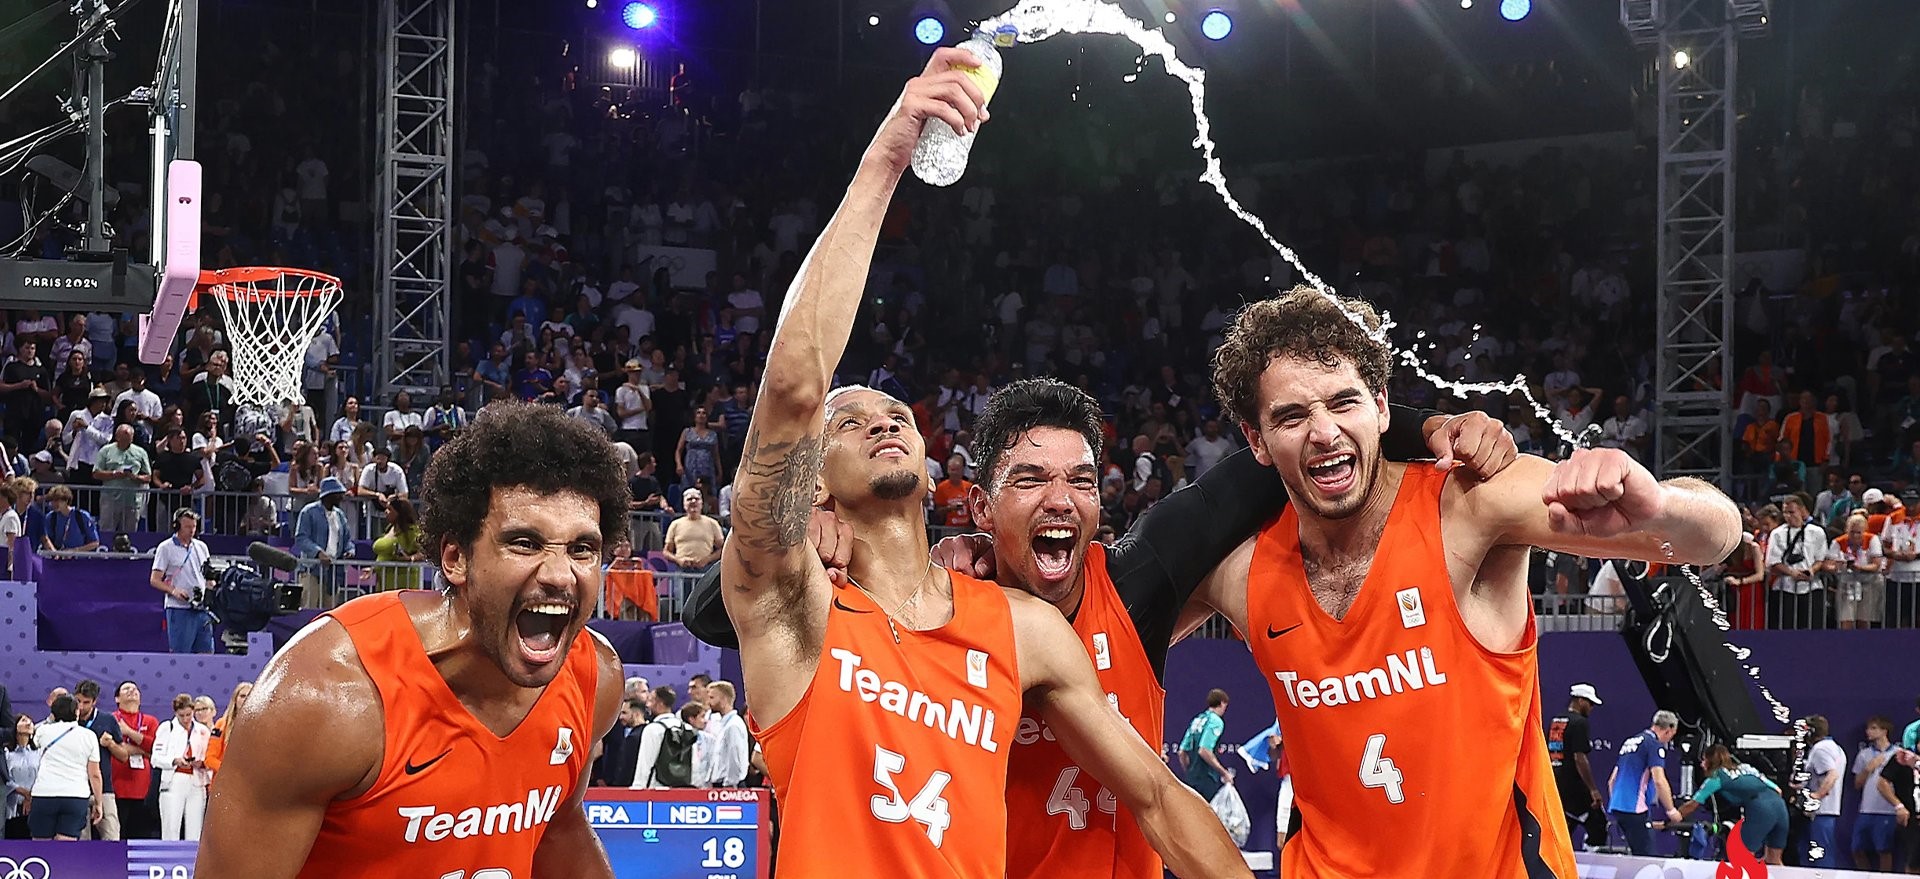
x=683 y=833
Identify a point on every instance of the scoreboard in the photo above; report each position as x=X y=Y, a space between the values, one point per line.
x=683 y=833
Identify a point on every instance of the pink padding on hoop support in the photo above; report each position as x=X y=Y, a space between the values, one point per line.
x=182 y=269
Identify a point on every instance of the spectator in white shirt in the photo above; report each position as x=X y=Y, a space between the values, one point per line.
x=86 y=431
x=382 y=480
x=747 y=304
x=66 y=794
x=1209 y=448
x=180 y=755
x=1826 y=764
x=653 y=733
x=399 y=418
x=1626 y=430
x=1902 y=543
x=179 y=572
x=1795 y=552
x=621 y=290
x=1857 y=563
x=145 y=401
x=727 y=765
x=631 y=403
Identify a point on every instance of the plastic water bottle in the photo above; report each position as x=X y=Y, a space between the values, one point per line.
x=940 y=157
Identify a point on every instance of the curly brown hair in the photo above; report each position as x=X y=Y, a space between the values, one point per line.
x=1300 y=323
x=526 y=445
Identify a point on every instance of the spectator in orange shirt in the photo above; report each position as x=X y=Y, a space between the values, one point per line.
x=950 y=495
x=1881 y=509
x=1762 y=432
x=1808 y=433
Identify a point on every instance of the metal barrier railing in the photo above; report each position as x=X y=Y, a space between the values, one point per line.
x=273 y=512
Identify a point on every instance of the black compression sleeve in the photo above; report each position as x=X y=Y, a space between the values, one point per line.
x=706 y=614
x=1405 y=439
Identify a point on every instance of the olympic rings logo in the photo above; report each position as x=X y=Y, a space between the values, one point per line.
x=12 y=869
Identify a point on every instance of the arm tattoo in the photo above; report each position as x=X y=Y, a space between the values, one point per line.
x=776 y=500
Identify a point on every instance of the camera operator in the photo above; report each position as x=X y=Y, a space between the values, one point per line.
x=178 y=571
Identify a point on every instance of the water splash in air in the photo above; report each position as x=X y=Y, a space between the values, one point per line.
x=1037 y=20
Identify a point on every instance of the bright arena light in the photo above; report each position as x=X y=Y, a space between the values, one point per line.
x=1681 y=59
x=1216 y=25
x=1514 y=10
x=593 y=4
x=873 y=21
x=1466 y=4
x=638 y=15
x=1170 y=17
x=621 y=59
x=929 y=30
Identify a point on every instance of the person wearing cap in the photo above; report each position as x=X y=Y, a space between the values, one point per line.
x=1880 y=507
x=694 y=540
x=179 y=573
x=321 y=536
x=1857 y=561
x=632 y=403
x=1568 y=744
x=87 y=430
x=1901 y=540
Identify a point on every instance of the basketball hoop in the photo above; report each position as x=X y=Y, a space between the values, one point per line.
x=272 y=315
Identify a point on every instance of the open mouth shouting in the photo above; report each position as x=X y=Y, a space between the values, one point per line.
x=542 y=627
x=1053 y=548
x=1333 y=473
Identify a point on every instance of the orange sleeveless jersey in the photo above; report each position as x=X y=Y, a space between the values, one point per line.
x=452 y=798
x=1061 y=821
x=1416 y=752
x=895 y=761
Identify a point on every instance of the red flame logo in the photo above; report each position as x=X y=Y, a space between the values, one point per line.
x=1740 y=863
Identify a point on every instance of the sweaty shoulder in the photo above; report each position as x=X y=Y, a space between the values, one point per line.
x=318 y=682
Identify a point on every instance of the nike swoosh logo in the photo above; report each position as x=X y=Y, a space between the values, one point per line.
x=416 y=770
x=1273 y=634
x=836 y=603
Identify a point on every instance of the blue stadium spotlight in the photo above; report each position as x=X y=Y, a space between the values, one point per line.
x=929 y=31
x=1514 y=10
x=1216 y=25
x=639 y=16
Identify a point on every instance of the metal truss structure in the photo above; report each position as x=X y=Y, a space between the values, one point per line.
x=415 y=197
x=1696 y=44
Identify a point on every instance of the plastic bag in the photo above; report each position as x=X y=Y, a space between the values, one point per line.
x=1233 y=813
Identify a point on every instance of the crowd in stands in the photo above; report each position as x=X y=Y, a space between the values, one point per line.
x=1064 y=252
x=126 y=775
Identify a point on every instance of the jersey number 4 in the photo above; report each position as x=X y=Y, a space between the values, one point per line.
x=1377 y=770
x=1067 y=799
x=927 y=807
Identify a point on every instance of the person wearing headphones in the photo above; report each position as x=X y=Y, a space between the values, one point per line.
x=178 y=571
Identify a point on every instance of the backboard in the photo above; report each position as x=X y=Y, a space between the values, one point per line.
x=174 y=246
x=94 y=275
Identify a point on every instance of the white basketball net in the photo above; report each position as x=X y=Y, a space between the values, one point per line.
x=270 y=323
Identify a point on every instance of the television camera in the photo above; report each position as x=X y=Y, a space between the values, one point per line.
x=244 y=597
